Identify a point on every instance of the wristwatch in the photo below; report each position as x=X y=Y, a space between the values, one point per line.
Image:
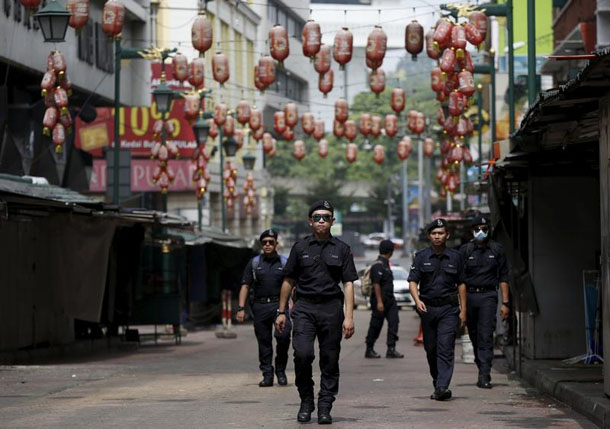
x=240 y=308
x=280 y=312
x=506 y=303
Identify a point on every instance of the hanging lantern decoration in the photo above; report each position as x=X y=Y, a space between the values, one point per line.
x=288 y=134
x=201 y=33
x=50 y=118
x=455 y=104
x=323 y=148
x=256 y=119
x=365 y=124
x=307 y=123
x=318 y=129
x=191 y=106
x=325 y=82
x=414 y=39
x=373 y=65
x=377 y=81
x=455 y=155
x=442 y=34
x=411 y=120
x=229 y=176
x=450 y=126
x=279 y=122
x=220 y=114
x=257 y=81
x=420 y=123
x=243 y=112
x=338 y=129
x=343 y=47
x=238 y=135
x=440 y=116
x=299 y=150
x=266 y=70
x=436 y=79
x=321 y=61
x=59 y=137
x=61 y=99
x=428 y=147
x=462 y=128
x=312 y=38
x=403 y=148
x=59 y=63
x=291 y=114
x=466 y=83
x=473 y=35
x=79 y=14
x=351 y=152
x=430 y=49
x=273 y=150
x=196 y=71
x=376 y=45
x=378 y=154
x=452 y=183
x=398 y=100
x=258 y=134
x=220 y=68
x=466 y=63
x=458 y=40
x=341 y=110
x=31 y=5
x=267 y=142
x=441 y=96
x=112 y=18
x=201 y=175
x=180 y=67
x=375 y=125
x=249 y=201
x=450 y=83
x=480 y=22
x=228 y=128
x=279 y=46
x=48 y=83
x=467 y=156
x=350 y=129
x=213 y=133
x=66 y=121
x=391 y=125
x=447 y=62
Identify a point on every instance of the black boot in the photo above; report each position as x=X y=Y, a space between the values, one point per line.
x=281 y=378
x=307 y=407
x=267 y=381
x=393 y=354
x=441 y=394
x=484 y=382
x=371 y=353
x=324 y=417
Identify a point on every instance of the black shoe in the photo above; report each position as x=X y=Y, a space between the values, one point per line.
x=281 y=378
x=441 y=394
x=484 y=382
x=305 y=411
x=371 y=353
x=393 y=354
x=324 y=417
x=267 y=381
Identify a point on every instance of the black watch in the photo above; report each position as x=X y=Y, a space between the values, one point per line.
x=506 y=303
x=280 y=312
x=240 y=308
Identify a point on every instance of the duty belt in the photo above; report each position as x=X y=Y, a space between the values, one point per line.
x=439 y=302
x=267 y=299
x=318 y=298
x=480 y=289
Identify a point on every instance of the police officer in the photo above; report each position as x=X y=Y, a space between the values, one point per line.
x=440 y=302
x=316 y=265
x=265 y=274
x=383 y=303
x=485 y=268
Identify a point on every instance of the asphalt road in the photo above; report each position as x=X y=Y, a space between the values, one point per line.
x=213 y=383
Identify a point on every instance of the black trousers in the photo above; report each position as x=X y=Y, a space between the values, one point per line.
x=323 y=320
x=481 y=322
x=390 y=312
x=440 y=325
x=264 y=316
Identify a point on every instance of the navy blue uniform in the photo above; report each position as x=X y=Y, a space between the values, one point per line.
x=318 y=268
x=381 y=273
x=267 y=285
x=438 y=277
x=485 y=267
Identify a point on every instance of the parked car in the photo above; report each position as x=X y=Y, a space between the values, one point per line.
x=372 y=240
x=401 y=289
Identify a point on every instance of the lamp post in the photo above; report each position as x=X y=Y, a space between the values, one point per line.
x=163 y=99
x=229 y=148
x=53 y=21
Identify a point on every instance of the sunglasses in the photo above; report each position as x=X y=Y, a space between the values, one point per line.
x=481 y=228
x=318 y=217
x=268 y=242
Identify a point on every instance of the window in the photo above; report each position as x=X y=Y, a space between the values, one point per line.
x=86 y=47
x=289 y=86
x=277 y=14
x=103 y=53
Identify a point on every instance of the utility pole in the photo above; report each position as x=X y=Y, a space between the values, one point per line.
x=405 y=208
x=531 y=52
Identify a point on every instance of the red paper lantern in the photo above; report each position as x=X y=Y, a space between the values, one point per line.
x=378 y=154
x=258 y=134
x=307 y=122
x=411 y=120
x=213 y=129
x=341 y=110
x=318 y=129
x=351 y=152
x=365 y=124
x=458 y=39
x=239 y=137
x=279 y=122
x=32 y=5
x=271 y=153
x=61 y=99
x=266 y=70
x=374 y=65
x=312 y=37
x=436 y=79
x=79 y=17
x=420 y=123
x=196 y=72
x=59 y=137
x=450 y=126
x=466 y=62
x=377 y=81
x=321 y=61
x=229 y=127
x=350 y=129
x=391 y=125
x=455 y=104
x=51 y=116
x=472 y=34
x=375 y=125
x=66 y=121
x=59 y=63
x=428 y=147
x=466 y=83
x=455 y=155
x=442 y=33
x=288 y=134
x=201 y=33
x=440 y=116
x=462 y=128
x=323 y=148
x=479 y=20
x=452 y=183
x=447 y=63
x=267 y=142
x=299 y=150
x=403 y=148
x=376 y=45
x=180 y=67
x=325 y=82
x=112 y=18
x=338 y=129
x=191 y=105
x=467 y=156
x=414 y=39
x=48 y=83
x=291 y=114
x=256 y=119
x=451 y=83
x=279 y=45
x=243 y=112
x=220 y=68
x=398 y=100
x=344 y=41
x=430 y=49
x=220 y=114
x=257 y=81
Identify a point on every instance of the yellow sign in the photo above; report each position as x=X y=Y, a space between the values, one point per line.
x=93 y=137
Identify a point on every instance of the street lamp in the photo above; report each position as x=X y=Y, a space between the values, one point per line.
x=201 y=128
x=163 y=96
x=249 y=160
x=230 y=146
x=53 y=21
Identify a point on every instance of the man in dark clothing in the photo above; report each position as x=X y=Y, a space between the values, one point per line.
x=485 y=268
x=265 y=274
x=383 y=303
x=440 y=302
x=316 y=265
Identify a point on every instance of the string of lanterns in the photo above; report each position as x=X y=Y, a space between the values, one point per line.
x=55 y=89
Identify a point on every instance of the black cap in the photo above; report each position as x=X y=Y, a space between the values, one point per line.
x=268 y=233
x=386 y=246
x=436 y=223
x=480 y=220
x=320 y=205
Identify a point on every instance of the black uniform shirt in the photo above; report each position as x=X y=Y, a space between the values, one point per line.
x=381 y=273
x=484 y=267
x=269 y=276
x=312 y=278
x=438 y=275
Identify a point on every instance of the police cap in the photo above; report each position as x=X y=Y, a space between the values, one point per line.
x=436 y=223
x=320 y=205
x=268 y=233
x=480 y=220
x=386 y=246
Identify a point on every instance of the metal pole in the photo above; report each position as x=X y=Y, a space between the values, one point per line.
x=492 y=100
x=222 y=185
x=163 y=142
x=449 y=202
x=117 y=117
x=405 y=208
x=420 y=185
x=462 y=193
x=511 y=65
x=531 y=52
x=480 y=132
x=389 y=206
x=428 y=212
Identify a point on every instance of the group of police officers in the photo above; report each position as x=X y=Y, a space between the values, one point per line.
x=302 y=295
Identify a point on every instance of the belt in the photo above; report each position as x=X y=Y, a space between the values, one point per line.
x=439 y=302
x=318 y=298
x=475 y=289
x=267 y=299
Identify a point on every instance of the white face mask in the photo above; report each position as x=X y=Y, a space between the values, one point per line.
x=480 y=235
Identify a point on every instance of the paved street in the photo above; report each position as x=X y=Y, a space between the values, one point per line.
x=212 y=383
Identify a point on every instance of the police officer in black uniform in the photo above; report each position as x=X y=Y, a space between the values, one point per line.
x=316 y=265
x=485 y=269
x=266 y=278
x=383 y=303
x=440 y=302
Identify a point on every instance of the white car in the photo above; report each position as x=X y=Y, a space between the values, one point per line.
x=401 y=289
x=372 y=240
